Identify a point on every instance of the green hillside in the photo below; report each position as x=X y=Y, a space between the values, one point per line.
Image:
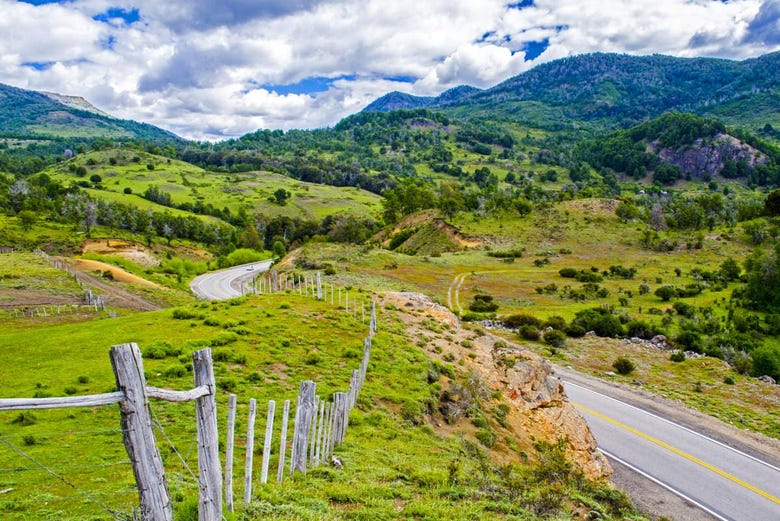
x=395 y=462
x=616 y=91
x=38 y=115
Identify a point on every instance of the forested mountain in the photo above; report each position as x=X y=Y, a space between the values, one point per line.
x=31 y=114
x=616 y=91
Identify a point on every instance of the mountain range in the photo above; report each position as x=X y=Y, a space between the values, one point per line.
x=606 y=91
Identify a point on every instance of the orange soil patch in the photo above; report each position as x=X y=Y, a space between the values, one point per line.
x=118 y=273
x=129 y=250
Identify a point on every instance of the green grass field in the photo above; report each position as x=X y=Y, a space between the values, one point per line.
x=186 y=183
x=264 y=346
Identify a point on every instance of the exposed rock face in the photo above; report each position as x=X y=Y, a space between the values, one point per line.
x=539 y=408
x=707 y=156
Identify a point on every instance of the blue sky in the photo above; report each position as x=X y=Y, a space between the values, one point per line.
x=209 y=69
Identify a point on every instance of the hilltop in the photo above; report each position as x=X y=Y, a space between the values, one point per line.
x=601 y=90
x=32 y=114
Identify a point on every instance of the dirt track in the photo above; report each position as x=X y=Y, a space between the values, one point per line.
x=114 y=295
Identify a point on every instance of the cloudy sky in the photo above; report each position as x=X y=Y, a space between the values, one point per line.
x=211 y=69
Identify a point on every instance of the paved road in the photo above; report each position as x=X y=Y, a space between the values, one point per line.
x=727 y=483
x=226 y=284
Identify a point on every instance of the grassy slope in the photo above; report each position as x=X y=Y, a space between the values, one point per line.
x=187 y=183
x=594 y=237
x=393 y=469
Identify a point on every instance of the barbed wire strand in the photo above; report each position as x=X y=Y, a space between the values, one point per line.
x=173 y=447
x=116 y=514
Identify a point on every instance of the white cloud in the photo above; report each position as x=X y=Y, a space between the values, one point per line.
x=204 y=69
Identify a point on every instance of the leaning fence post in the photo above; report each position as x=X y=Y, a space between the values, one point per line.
x=320 y=422
x=283 y=441
x=138 y=435
x=313 y=429
x=231 y=433
x=269 y=430
x=303 y=421
x=250 y=449
x=209 y=469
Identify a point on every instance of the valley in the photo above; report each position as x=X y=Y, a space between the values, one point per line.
x=593 y=213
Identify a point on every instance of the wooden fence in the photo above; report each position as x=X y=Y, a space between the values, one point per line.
x=133 y=395
x=318 y=427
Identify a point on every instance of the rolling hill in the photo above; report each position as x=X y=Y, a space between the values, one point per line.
x=32 y=114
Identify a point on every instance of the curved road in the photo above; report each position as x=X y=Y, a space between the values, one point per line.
x=721 y=480
x=228 y=283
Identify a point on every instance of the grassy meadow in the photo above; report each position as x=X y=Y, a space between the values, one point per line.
x=123 y=170
x=395 y=467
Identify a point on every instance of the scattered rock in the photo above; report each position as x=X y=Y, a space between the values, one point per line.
x=767 y=379
x=609 y=373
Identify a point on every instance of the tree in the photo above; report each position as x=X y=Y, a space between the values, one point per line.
x=772 y=204
x=730 y=270
x=281 y=195
x=666 y=293
x=95 y=179
x=279 y=249
x=27 y=218
x=766 y=361
x=627 y=212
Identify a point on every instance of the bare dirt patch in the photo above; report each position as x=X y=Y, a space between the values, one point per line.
x=117 y=273
x=129 y=250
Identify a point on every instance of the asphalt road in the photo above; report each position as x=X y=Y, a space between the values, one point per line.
x=721 y=480
x=228 y=283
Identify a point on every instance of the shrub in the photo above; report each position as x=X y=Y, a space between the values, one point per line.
x=599 y=320
x=677 y=356
x=766 y=361
x=528 y=332
x=25 y=418
x=575 y=331
x=483 y=304
x=183 y=314
x=567 y=273
x=521 y=319
x=83 y=379
x=690 y=341
x=556 y=322
x=623 y=365
x=666 y=293
x=486 y=437
x=555 y=338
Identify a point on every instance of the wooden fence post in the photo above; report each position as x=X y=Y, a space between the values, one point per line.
x=319 y=286
x=366 y=360
x=138 y=435
x=209 y=469
x=313 y=429
x=340 y=403
x=283 y=441
x=320 y=422
x=372 y=323
x=250 y=449
x=269 y=431
x=354 y=382
x=231 y=433
x=328 y=431
x=303 y=421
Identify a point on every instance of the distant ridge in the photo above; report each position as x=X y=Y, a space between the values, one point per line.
x=616 y=90
x=49 y=115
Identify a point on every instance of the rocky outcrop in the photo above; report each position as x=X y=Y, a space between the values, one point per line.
x=707 y=156
x=539 y=408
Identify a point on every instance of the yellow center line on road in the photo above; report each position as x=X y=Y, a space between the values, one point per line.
x=677 y=451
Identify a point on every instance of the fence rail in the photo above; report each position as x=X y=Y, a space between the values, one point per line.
x=319 y=425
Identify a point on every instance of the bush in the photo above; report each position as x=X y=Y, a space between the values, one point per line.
x=555 y=338
x=483 y=304
x=556 y=322
x=623 y=365
x=766 y=361
x=521 y=319
x=567 y=273
x=528 y=332
x=599 y=320
x=666 y=293
x=575 y=331
x=690 y=341
x=677 y=356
